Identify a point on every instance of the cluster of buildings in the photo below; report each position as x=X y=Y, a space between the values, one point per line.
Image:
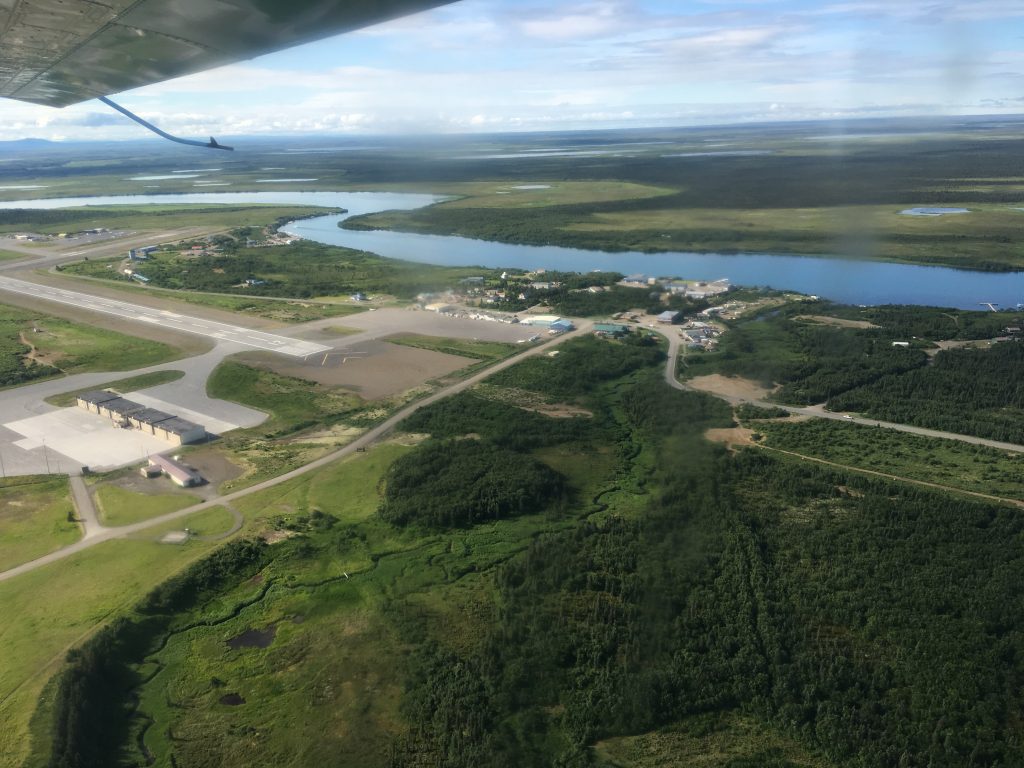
x=130 y=415
x=612 y=330
x=699 y=335
x=451 y=310
x=141 y=254
x=179 y=474
x=691 y=289
x=553 y=323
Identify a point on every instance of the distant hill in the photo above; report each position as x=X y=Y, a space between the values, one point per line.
x=29 y=143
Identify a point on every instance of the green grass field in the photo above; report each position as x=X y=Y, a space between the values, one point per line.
x=326 y=689
x=130 y=384
x=278 y=310
x=58 y=606
x=293 y=403
x=77 y=348
x=37 y=346
x=34 y=514
x=210 y=523
x=118 y=506
x=314 y=276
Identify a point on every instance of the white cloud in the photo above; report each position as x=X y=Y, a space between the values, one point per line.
x=498 y=64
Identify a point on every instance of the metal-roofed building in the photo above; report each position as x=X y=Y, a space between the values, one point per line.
x=147 y=419
x=178 y=472
x=543 y=321
x=167 y=426
x=611 y=329
x=178 y=431
x=119 y=408
x=91 y=401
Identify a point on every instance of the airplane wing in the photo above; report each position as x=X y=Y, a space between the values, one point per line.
x=60 y=52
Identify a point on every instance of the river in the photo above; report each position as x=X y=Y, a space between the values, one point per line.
x=843 y=280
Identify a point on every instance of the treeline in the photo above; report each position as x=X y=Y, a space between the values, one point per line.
x=872 y=622
x=301 y=270
x=937 y=323
x=582 y=365
x=751 y=411
x=503 y=424
x=969 y=391
x=812 y=361
x=459 y=483
x=92 y=716
x=21 y=217
x=876 y=628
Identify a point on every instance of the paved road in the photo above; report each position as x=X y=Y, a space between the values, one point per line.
x=164 y=318
x=363 y=441
x=382 y=429
x=819 y=412
x=86 y=509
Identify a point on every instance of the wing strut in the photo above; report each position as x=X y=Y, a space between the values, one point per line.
x=211 y=144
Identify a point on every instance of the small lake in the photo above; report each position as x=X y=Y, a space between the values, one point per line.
x=843 y=280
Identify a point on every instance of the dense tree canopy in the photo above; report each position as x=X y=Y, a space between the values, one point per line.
x=457 y=483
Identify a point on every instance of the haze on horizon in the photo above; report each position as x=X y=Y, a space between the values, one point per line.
x=501 y=65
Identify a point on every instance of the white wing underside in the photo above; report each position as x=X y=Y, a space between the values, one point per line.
x=60 y=52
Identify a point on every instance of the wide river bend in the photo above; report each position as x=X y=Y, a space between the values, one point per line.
x=843 y=280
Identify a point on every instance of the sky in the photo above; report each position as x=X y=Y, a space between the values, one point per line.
x=523 y=65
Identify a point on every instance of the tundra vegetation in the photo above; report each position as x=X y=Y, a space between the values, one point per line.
x=35 y=345
x=654 y=593
x=655 y=597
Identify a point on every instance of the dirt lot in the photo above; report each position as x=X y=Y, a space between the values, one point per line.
x=732 y=437
x=838 y=322
x=210 y=463
x=131 y=480
x=558 y=410
x=730 y=387
x=213 y=465
x=954 y=344
x=372 y=369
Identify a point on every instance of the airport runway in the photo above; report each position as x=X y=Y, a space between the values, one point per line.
x=194 y=325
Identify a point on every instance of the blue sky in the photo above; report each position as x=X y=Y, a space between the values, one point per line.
x=505 y=65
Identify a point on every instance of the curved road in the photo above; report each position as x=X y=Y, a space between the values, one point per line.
x=106 y=534
x=98 y=534
x=819 y=412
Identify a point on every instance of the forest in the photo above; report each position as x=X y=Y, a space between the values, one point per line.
x=967 y=390
x=871 y=621
x=458 y=483
x=867 y=621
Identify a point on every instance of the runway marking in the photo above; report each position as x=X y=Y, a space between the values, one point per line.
x=195 y=325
